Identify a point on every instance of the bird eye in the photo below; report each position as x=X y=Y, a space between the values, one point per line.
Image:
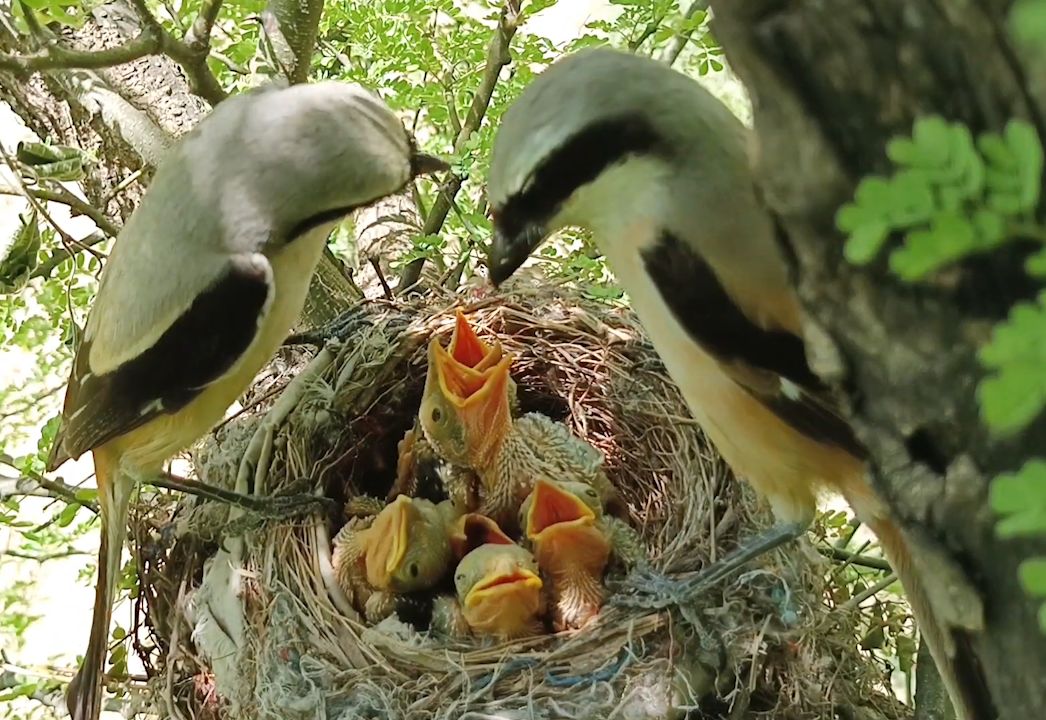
x=591 y=492
x=413 y=570
x=437 y=415
x=459 y=577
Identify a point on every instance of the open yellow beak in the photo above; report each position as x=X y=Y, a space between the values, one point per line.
x=387 y=544
x=467 y=348
x=473 y=530
x=553 y=506
x=502 y=585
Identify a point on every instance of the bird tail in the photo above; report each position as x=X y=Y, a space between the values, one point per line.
x=84 y=695
x=956 y=662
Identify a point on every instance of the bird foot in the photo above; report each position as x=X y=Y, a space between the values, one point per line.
x=275 y=507
x=648 y=589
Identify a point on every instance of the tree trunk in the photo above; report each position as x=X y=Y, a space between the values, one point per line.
x=829 y=88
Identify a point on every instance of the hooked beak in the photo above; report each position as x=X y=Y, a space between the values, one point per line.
x=425 y=164
x=510 y=250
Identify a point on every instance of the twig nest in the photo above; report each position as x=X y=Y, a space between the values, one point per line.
x=763 y=642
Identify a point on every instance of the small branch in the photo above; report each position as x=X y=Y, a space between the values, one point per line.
x=649 y=30
x=860 y=597
x=54 y=488
x=192 y=58
x=58 y=57
x=291 y=26
x=79 y=207
x=381 y=278
x=198 y=38
x=675 y=48
x=43 y=557
x=497 y=58
x=854 y=559
x=59 y=256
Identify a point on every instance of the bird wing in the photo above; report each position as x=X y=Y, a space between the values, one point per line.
x=768 y=362
x=196 y=348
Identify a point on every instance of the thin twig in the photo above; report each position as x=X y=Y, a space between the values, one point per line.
x=80 y=207
x=497 y=58
x=860 y=597
x=60 y=255
x=855 y=559
x=45 y=557
x=381 y=277
x=55 y=56
x=675 y=48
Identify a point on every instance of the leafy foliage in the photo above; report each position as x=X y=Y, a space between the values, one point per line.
x=949 y=199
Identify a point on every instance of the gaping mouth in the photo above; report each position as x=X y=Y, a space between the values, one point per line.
x=464 y=386
x=552 y=506
x=503 y=584
x=468 y=349
x=473 y=530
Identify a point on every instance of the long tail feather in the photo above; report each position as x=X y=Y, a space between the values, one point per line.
x=958 y=666
x=84 y=695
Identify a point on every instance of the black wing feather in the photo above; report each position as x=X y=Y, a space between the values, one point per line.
x=197 y=349
x=701 y=304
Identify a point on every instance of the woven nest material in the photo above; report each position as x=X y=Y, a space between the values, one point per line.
x=255 y=627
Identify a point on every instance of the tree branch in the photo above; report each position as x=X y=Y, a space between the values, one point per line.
x=57 y=57
x=291 y=26
x=675 y=48
x=193 y=59
x=60 y=255
x=55 y=488
x=79 y=207
x=855 y=559
x=42 y=558
x=497 y=58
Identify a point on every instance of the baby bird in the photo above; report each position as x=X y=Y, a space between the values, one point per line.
x=404 y=548
x=420 y=472
x=471 y=531
x=466 y=416
x=500 y=592
x=573 y=542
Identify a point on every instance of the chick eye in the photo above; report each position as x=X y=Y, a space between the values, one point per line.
x=459 y=577
x=413 y=570
x=590 y=492
x=437 y=415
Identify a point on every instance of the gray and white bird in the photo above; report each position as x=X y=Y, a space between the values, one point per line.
x=659 y=171
x=203 y=285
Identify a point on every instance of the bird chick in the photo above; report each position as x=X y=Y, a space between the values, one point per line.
x=500 y=591
x=420 y=470
x=471 y=531
x=471 y=424
x=562 y=524
x=405 y=548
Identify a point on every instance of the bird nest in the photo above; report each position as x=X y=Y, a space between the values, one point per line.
x=246 y=620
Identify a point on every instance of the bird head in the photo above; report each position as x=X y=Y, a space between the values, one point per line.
x=594 y=142
x=300 y=156
x=499 y=589
x=560 y=521
x=473 y=530
x=465 y=413
x=408 y=546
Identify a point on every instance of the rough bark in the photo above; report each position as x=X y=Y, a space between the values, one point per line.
x=829 y=87
x=125 y=115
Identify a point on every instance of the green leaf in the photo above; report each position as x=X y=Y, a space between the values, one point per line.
x=1036 y=264
x=950 y=237
x=1024 y=142
x=864 y=243
x=17 y=267
x=1020 y=498
x=1013 y=396
x=1033 y=576
x=65 y=518
x=1027 y=23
